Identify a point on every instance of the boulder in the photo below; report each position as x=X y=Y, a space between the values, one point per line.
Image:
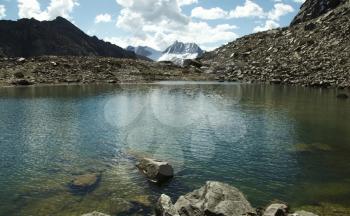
x=192 y=62
x=276 y=209
x=165 y=207
x=214 y=198
x=155 y=170
x=303 y=213
x=85 y=183
x=20 y=82
x=18 y=75
x=95 y=213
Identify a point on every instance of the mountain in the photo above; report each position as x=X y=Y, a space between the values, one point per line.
x=313 y=52
x=179 y=51
x=29 y=37
x=314 y=8
x=145 y=51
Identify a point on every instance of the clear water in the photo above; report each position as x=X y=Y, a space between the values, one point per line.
x=272 y=142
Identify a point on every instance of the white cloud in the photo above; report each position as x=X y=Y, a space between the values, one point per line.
x=299 y=1
x=209 y=14
x=31 y=9
x=103 y=18
x=158 y=23
x=269 y=24
x=2 y=11
x=279 y=10
x=186 y=2
x=249 y=9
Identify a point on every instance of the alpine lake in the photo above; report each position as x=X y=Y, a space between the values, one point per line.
x=272 y=142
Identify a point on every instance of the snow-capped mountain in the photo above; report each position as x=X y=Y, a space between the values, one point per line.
x=179 y=51
x=146 y=51
x=176 y=53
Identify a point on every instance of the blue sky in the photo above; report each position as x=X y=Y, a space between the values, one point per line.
x=158 y=23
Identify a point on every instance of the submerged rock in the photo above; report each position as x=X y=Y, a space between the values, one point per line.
x=155 y=170
x=214 y=198
x=276 y=209
x=85 y=183
x=95 y=213
x=303 y=213
x=342 y=96
x=165 y=207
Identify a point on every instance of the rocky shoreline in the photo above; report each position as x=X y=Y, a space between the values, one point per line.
x=214 y=198
x=55 y=70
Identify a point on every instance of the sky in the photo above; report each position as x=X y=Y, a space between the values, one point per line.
x=158 y=23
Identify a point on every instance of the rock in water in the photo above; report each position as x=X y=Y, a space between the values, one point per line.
x=276 y=209
x=214 y=198
x=342 y=96
x=303 y=213
x=165 y=207
x=95 y=213
x=85 y=183
x=155 y=170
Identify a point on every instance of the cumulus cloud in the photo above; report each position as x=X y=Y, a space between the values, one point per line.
x=209 y=14
x=31 y=9
x=249 y=9
x=158 y=23
x=269 y=24
x=186 y=2
x=103 y=18
x=279 y=10
x=2 y=11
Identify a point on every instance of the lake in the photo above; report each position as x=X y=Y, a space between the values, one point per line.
x=271 y=142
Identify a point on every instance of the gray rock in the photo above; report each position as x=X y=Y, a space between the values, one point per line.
x=165 y=207
x=214 y=198
x=155 y=170
x=303 y=213
x=95 y=213
x=276 y=209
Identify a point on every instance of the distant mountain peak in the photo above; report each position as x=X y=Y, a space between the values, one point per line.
x=181 y=48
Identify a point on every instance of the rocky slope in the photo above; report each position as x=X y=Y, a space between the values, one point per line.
x=312 y=53
x=314 y=8
x=56 y=70
x=29 y=37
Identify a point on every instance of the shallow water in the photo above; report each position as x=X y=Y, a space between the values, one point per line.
x=272 y=142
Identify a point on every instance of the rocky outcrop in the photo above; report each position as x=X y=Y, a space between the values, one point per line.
x=155 y=170
x=29 y=37
x=312 y=9
x=313 y=53
x=214 y=198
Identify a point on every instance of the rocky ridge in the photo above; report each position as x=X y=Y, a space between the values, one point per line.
x=312 y=53
x=30 y=37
